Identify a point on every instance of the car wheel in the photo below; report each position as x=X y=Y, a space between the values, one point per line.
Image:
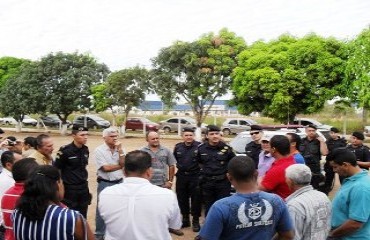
x=95 y=127
x=167 y=130
x=226 y=132
x=7 y=123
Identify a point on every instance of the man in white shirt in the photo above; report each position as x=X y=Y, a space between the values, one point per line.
x=137 y=209
x=6 y=180
x=109 y=158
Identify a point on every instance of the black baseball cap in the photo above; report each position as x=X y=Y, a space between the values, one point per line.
x=213 y=128
x=256 y=128
x=334 y=130
x=80 y=129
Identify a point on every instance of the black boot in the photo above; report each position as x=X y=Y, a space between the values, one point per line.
x=185 y=221
x=196 y=225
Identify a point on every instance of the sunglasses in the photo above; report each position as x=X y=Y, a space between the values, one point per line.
x=253 y=133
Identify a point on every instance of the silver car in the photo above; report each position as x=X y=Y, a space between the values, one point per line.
x=236 y=125
x=172 y=124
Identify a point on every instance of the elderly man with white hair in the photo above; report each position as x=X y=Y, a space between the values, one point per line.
x=109 y=158
x=309 y=209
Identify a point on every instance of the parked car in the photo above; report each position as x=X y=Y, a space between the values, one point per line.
x=367 y=131
x=308 y=121
x=238 y=143
x=92 y=121
x=138 y=123
x=27 y=121
x=172 y=124
x=53 y=121
x=236 y=125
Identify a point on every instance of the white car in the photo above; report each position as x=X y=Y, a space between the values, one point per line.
x=27 y=121
x=367 y=131
x=308 y=121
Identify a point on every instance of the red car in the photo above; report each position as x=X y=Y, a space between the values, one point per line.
x=138 y=123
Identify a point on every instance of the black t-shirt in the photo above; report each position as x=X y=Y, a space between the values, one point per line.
x=253 y=151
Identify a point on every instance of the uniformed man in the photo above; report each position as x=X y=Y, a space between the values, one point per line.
x=253 y=149
x=72 y=159
x=213 y=156
x=187 y=179
x=312 y=148
x=361 y=151
x=334 y=142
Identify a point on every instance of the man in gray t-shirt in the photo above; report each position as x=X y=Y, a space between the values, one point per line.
x=163 y=161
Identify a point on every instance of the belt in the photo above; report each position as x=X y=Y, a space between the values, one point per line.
x=109 y=181
x=187 y=172
x=215 y=177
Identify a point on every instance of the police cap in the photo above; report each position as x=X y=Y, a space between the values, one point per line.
x=213 y=128
x=256 y=128
x=334 y=130
x=312 y=126
x=188 y=129
x=79 y=129
x=358 y=135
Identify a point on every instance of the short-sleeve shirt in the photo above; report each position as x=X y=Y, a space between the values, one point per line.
x=104 y=156
x=352 y=202
x=274 y=180
x=72 y=161
x=255 y=216
x=161 y=160
x=264 y=163
x=298 y=158
x=40 y=158
x=58 y=223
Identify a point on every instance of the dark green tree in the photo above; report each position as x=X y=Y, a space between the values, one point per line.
x=198 y=71
x=9 y=66
x=289 y=76
x=357 y=81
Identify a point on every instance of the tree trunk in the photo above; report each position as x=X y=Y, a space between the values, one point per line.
x=364 y=116
x=18 y=127
x=63 y=130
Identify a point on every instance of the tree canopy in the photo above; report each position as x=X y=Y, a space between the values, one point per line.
x=358 y=70
x=198 y=71
x=288 y=76
x=9 y=66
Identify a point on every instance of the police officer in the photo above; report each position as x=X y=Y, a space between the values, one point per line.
x=334 y=142
x=360 y=150
x=187 y=179
x=253 y=149
x=311 y=148
x=72 y=159
x=213 y=156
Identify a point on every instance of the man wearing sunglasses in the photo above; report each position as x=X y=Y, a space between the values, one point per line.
x=253 y=149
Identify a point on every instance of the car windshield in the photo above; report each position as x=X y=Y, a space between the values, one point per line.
x=190 y=120
x=239 y=142
x=145 y=120
x=96 y=118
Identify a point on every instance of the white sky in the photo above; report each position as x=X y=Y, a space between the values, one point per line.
x=125 y=33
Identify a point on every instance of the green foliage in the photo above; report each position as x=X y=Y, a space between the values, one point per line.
x=358 y=69
x=21 y=94
x=102 y=100
x=288 y=76
x=9 y=66
x=67 y=79
x=198 y=71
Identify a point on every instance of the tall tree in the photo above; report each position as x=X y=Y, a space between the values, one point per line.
x=288 y=76
x=9 y=66
x=22 y=94
x=129 y=87
x=358 y=71
x=67 y=79
x=123 y=89
x=198 y=71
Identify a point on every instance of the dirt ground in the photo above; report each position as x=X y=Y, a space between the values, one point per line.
x=129 y=142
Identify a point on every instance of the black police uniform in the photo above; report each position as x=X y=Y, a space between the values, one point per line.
x=213 y=181
x=187 y=179
x=253 y=151
x=329 y=173
x=72 y=162
x=362 y=153
x=310 y=150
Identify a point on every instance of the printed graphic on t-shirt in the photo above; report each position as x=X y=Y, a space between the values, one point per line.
x=255 y=214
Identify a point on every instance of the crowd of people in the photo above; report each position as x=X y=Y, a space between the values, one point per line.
x=276 y=191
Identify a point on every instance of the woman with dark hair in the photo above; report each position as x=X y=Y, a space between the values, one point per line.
x=39 y=214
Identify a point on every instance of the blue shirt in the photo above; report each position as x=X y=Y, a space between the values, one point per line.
x=352 y=202
x=253 y=216
x=298 y=158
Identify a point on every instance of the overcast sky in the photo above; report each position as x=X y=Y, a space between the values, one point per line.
x=124 y=33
